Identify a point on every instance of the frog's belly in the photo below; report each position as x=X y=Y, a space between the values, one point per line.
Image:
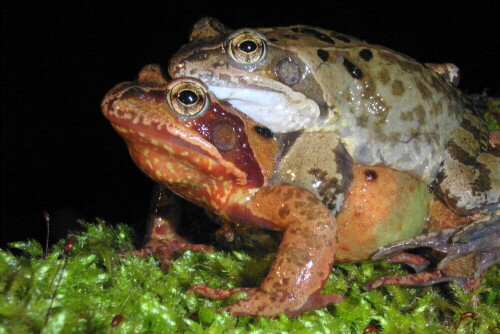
x=391 y=206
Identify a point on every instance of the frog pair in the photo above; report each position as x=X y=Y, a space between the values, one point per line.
x=326 y=138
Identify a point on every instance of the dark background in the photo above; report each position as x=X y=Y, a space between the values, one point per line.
x=59 y=59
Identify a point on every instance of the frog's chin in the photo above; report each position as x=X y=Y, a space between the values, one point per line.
x=279 y=111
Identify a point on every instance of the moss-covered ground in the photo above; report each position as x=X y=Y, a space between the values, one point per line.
x=84 y=290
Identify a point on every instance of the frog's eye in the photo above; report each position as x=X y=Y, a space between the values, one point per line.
x=247 y=48
x=188 y=98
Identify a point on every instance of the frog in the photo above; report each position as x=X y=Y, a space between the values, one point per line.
x=386 y=108
x=207 y=152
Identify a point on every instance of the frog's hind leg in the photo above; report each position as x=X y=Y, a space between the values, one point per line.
x=162 y=238
x=303 y=261
x=469 y=178
x=470 y=250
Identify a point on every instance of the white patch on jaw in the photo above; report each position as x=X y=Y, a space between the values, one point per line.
x=279 y=111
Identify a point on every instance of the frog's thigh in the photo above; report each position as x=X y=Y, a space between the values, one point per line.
x=472 y=185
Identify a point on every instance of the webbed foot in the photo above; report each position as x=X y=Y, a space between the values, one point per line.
x=268 y=303
x=469 y=250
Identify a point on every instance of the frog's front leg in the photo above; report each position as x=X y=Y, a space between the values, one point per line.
x=470 y=250
x=163 y=238
x=304 y=258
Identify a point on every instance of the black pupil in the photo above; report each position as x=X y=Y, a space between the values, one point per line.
x=188 y=97
x=248 y=46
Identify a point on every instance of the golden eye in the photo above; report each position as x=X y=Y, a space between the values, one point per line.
x=247 y=48
x=188 y=98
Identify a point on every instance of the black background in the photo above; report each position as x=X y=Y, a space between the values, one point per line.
x=59 y=59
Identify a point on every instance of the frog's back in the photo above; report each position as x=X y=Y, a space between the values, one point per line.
x=387 y=108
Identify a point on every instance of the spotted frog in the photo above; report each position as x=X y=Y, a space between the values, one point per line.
x=209 y=153
x=386 y=108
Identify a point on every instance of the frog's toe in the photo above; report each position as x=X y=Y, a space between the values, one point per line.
x=165 y=250
x=267 y=304
x=468 y=251
x=420 y=279
x=417 y=262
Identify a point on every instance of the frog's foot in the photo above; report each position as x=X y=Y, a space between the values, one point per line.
x=469 y=250
x=165 y=250
x=268 y=303
x=304 y=258
x=162 y=229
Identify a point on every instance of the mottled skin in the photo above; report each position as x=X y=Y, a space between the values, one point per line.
x=386 y=108
x=223 y=161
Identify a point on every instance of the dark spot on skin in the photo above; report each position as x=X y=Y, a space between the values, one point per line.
x=284 y=211
x=322 y=54
x=378 y=105
x=411 y=66
x=470 y=127
x=370 y=175
x=366 y=54
x=418 y=113
x=263 y=131
x=291 y=37
x=384 y=76
x=458 y=153
x=362 y=120
x=352 y=69
x=329 y=187
x=397 y=88
x=424 y=90
x=272 y=40
x=314 y=33
x=288 y=195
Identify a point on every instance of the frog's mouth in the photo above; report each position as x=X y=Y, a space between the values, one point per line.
x=280 y=111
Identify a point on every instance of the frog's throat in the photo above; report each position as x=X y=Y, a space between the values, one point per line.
x=279 y=111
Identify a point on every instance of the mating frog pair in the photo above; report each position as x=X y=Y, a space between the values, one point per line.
x=329 y=139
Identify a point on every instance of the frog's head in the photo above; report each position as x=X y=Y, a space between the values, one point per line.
x=266 y=73
x=182 y=137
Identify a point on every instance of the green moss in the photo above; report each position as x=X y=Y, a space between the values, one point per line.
x=87 y=288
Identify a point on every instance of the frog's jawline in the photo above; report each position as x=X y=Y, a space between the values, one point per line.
x=265 y=105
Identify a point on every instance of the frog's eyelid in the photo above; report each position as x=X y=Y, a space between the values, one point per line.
x=182 y=109
x=235 y=40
